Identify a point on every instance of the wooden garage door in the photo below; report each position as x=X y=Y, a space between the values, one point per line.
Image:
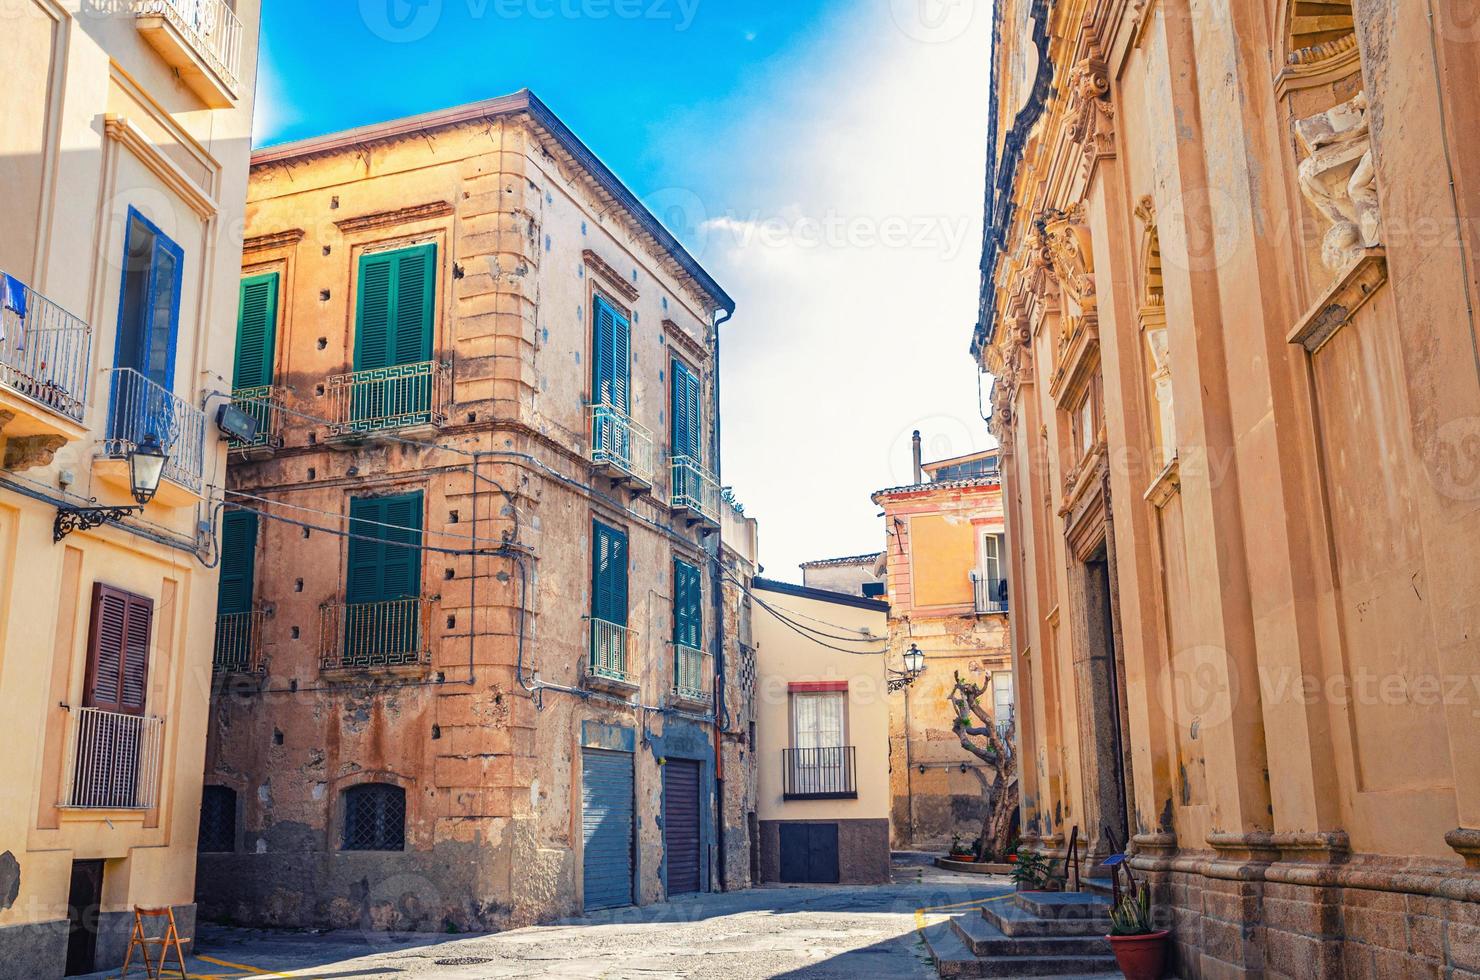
x=809 y=853
x=681 y=825
x=606 y=819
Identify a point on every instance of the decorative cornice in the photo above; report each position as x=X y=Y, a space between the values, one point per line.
x=679 y=337
x=274 y=239
x=610 y=275
x=400 y=216
x=130 y=136
x=1351 y=290
x=1466 y=843
x=1168 y=484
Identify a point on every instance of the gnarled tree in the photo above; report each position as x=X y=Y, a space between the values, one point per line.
x=990 y=740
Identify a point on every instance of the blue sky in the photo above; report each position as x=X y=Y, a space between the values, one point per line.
x=824 y=159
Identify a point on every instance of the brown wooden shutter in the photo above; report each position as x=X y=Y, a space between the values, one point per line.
x=118 y=651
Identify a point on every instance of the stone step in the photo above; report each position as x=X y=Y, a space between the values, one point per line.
x=1064 y=905
x=1099 y=886
x=985 y=939
x=953 y=958
x=1013 y=920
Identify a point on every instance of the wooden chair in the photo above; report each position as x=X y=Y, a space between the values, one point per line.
x=168 y=942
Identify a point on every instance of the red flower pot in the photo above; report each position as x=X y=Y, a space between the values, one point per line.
x=1141 y=957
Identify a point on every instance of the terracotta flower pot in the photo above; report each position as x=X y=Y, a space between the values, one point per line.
x=1141 y=957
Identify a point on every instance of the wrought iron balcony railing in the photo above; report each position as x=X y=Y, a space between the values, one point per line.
x=691 y=675
x=239 y=642
x=263 y=403
x=44 y=350
x=695 y=489
x=820 y=774
x=619 y=443
x=361 y=635
x=141 y=408
x=210 y=26
x=991 y=595
x=403 y=396
x=611 y=645
x=114 y=761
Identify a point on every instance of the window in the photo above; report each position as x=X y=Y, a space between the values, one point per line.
x=256 y=331
x=688 y=607
x=234 y=626
x=217 y=819
x=393 y=328
x=609 y=575
x=820 y=764
x=1002 y=703
x=383 y=581
x=687 y=414
x=374 y=818
x=149 y=310
x=611 y=364
x=118 y=651
x=818 y=720
x=113 y=740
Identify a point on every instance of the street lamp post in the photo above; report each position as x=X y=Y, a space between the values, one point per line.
x=146 y=463
x=914 y=666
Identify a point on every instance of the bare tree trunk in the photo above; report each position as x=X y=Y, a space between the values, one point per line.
x=990 y=740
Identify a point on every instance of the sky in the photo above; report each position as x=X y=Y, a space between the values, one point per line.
x=823 y=159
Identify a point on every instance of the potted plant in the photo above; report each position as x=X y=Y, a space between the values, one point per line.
x=1140 y=948
x=959 y=850
x=1031 y=871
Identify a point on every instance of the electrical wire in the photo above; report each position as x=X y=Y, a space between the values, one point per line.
x=355 y=520
x=795 y=625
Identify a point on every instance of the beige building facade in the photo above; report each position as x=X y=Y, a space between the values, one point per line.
x=822 y=735
x=947 y=595
x=124 y=147
x=1229 y=301
x=477 y=615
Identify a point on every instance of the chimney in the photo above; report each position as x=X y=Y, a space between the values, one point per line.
x=919 y=470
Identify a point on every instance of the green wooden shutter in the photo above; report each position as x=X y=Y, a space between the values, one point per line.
x=611 y=382
x=688 y=616
x=380 y=567
x=609 y=574
x=256 y=331
x=393 y=314
x=686 y=413
x=238 y=562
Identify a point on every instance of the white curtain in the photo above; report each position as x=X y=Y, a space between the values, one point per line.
x=819 y=720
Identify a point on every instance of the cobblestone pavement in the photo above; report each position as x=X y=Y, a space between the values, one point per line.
x=787 y=932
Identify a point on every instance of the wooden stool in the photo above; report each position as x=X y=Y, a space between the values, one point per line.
x=171 y=940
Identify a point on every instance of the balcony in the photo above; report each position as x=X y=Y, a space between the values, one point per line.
x=608 y=668
x=820 y=774
x=200 y=39
x=264 y=404
x=991 y=595
x=403 y=398
x=239 y=643
x=140 y=408
x=44 y=353
x=696 y=494
x=376 y=635
x=691 y=678
x=115 y=761
x=621 y=449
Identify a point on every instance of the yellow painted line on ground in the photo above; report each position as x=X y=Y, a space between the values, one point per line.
x=242 y=967
x=974 y=903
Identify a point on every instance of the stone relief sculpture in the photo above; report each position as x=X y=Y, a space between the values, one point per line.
x=1339 y=179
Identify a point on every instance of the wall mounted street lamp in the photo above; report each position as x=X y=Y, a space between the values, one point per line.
x=145 y=470
x=914 y=666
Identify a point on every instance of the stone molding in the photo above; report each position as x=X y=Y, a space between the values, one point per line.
x=610 y=275
x=28 y=452
x=124 y=132
x=1466 y=843
x=679 y=337
x=1351 y=290
x=399 y=216
x=273 y=240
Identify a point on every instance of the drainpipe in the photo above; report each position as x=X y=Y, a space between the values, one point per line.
x=919 y=460
x=716 y=575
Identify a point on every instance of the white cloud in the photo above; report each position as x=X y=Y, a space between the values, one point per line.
x=853 y=181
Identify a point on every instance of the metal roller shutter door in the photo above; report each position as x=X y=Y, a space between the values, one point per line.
x=606 y=819
x=681 y=825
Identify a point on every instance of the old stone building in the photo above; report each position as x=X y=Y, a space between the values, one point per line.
x=478 y=670
x=1229 y=300
x=125 y=136
x=948 y=601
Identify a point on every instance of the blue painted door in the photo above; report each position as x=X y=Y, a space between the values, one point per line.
x=607 y=825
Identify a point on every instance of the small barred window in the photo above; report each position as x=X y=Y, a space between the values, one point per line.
x=217 y=819
x=375 y=818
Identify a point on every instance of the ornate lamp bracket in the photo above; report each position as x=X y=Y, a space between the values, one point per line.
x=71 y=519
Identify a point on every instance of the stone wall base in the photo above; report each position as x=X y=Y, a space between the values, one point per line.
x=39 y=949
x=1352 y=921
x=863 y=850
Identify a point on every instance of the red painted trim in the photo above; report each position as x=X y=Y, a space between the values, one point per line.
x=812 y=687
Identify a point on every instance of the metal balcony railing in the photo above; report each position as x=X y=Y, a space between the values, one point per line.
x=610 y=646
x=991 y=595
x=359 y=635
x=115 y=761
x=618 y=441
x=691 y=675
x=239 y=642
x=264 y=403
x=211 y=27
x=403 y=396
x=695 y=488
x=820 y=774
x=141 y=408
x=44 y=350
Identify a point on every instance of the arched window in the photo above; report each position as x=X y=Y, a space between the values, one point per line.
x=374 y=818
x=217 y=819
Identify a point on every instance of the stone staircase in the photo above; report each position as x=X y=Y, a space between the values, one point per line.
x=1031 y=934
